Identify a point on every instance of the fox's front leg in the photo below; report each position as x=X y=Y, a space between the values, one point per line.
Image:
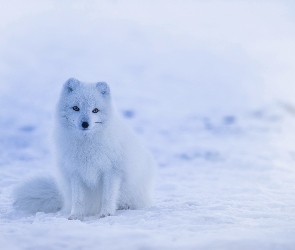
x=110 y=192
x=78 y=199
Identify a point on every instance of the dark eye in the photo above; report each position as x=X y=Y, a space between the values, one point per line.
x=95 y=110
x=76 y=108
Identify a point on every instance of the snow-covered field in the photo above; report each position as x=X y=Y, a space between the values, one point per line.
x=207 y=85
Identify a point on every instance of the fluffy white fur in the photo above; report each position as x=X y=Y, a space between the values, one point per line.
x=38 y=194
x=101 y=168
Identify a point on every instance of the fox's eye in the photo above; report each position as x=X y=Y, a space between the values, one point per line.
x=95 y=110
x=76 y=108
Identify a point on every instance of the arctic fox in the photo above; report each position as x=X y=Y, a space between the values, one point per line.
x=102 y=166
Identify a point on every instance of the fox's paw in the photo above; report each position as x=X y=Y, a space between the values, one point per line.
x=124 y=207
x=103 y=215
x=76 y=217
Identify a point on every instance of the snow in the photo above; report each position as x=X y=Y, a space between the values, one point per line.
x=207 y=85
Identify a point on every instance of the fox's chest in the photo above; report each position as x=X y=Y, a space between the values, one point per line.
x=91 y=156
x=94 y=156
x=90 y=159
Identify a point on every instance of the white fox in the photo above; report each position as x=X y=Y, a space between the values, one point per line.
x=102 y=166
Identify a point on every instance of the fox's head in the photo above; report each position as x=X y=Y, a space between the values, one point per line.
x=84 y=106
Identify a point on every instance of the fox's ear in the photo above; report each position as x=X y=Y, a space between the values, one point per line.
x=103 y=88
x=71 y=84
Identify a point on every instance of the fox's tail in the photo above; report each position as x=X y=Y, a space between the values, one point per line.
x=39 y=194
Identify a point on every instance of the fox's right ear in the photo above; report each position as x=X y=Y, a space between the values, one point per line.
x=71 y=84
x=103 y=87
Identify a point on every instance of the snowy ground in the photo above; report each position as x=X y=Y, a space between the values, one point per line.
x=207 y=85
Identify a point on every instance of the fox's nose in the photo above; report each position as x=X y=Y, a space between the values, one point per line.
x=85 y=124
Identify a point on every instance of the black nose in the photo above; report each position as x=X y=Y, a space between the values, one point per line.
x=85 y=124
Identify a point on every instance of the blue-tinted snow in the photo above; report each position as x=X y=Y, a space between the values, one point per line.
x=207 y=85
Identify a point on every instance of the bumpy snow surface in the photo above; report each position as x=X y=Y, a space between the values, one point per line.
x=207 y=85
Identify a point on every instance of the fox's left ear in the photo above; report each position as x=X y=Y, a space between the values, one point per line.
x=103 y=88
